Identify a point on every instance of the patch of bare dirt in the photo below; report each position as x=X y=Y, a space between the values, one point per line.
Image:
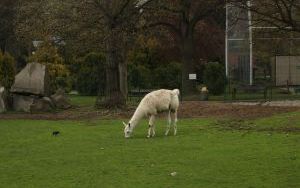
x=188 y=109
x=220 y=109
x=244 y=125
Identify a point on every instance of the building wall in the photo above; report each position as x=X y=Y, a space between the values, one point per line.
x=287 y=70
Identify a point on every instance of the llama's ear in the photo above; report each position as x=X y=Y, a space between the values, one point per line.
x=124 y=124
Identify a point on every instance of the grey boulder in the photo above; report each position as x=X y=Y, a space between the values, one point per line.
x=33 y=79
x=42 y=105
x=61 y=100
x=32 y=103
x=2 y=100
x=22 y=103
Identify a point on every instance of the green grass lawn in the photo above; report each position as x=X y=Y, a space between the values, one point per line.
x=95 y=154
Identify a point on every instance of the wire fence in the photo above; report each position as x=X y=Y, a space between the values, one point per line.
x=263 y=89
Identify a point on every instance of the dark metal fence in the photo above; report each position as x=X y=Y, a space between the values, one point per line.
x=264 y=88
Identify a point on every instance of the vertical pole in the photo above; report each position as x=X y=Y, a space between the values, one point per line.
x=250 y=42
x=226 y=41
x=290 y=54
x=226 y=50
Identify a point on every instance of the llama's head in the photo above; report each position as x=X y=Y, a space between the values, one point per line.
x=127 y=130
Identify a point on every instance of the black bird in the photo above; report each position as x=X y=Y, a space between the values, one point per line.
x=55 y=133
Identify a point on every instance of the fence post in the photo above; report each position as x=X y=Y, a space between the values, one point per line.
x=234 y=94
x=271 y=95
x=265 y=93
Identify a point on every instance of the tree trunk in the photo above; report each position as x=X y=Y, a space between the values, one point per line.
x=123 y=78
x=3 y=46
x=114 y=97
x=188 y=86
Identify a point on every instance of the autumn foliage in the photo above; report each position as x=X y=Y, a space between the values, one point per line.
x=59 y=73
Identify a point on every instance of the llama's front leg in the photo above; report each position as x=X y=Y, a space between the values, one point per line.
x=151 y=127
x=169 y=124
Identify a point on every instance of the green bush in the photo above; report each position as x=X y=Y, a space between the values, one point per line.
x=168 y=76
x=163 y=76
x=148 y=69
x=214 y=78
x=91 y=74
x=7 y=70
x=139 y=76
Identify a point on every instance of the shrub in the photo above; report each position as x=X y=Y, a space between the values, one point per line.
x=139 y=76
x=147 y=69
x=7 y=70
x=164 y=76
x=91 y=74
x=59 y=73
x=168 y=76
x=214 y=78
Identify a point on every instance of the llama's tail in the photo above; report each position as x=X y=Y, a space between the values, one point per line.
x=176 y=91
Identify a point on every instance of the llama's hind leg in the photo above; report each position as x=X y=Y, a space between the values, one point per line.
x=174 y=121
x=151 y=129
x=169 y=124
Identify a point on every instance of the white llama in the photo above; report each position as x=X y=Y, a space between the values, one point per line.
x=152 y=104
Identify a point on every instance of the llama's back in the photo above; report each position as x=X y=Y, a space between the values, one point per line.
x=161 y=100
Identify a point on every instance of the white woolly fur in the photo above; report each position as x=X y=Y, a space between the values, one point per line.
x=152 y=104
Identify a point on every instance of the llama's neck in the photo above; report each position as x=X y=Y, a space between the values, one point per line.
x=136 y=118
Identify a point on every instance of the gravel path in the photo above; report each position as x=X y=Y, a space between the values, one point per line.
x=287 y=103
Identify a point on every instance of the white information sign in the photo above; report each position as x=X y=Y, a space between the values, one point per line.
x=192 y=76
